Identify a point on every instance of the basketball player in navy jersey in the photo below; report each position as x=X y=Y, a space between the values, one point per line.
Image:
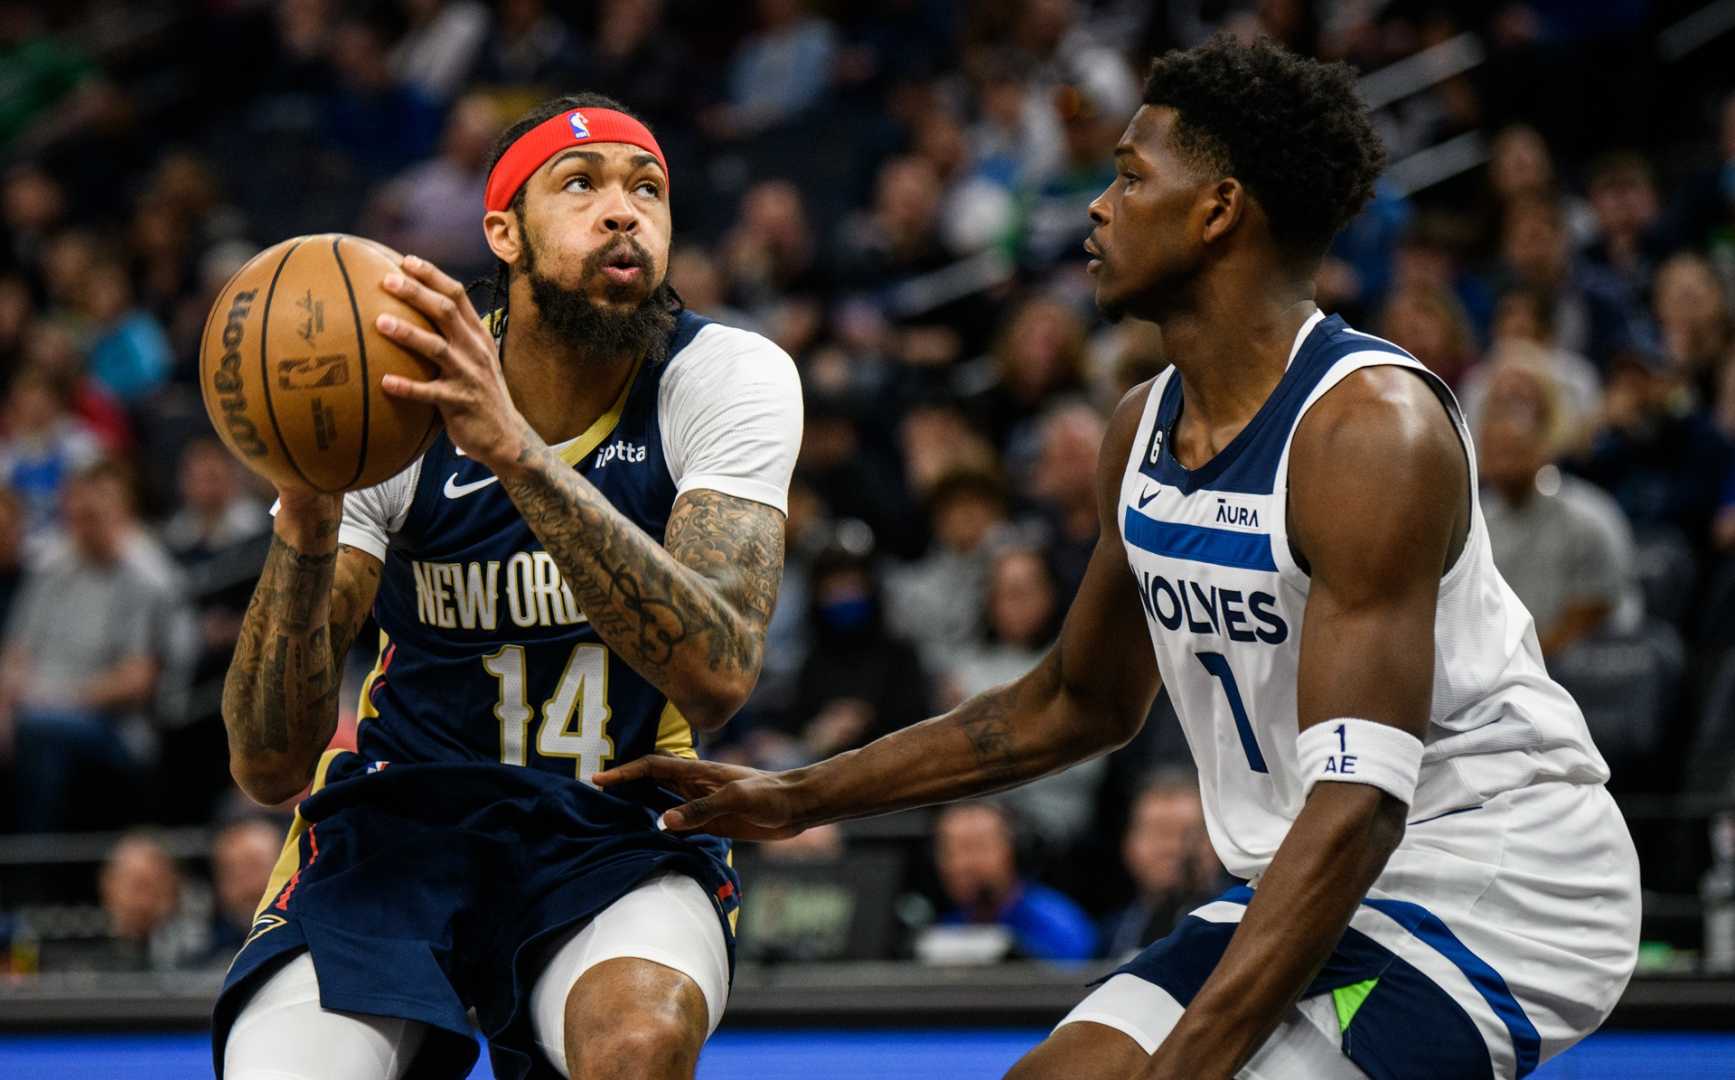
x=1292 y=544
x=577 y=572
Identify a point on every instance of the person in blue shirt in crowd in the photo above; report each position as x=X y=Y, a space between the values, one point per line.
x=975 y=853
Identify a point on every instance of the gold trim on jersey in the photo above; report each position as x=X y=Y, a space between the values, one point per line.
x=290 y=857
x=675 y=734
x=364 y=708
x=603 y=426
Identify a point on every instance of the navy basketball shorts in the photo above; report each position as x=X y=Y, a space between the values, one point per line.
x=422 y=891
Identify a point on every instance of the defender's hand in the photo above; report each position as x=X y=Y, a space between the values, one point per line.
x=725 y=800
x=471 y=391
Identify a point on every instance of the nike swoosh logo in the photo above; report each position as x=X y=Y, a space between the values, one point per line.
x=1143 y=499
x=455 y=490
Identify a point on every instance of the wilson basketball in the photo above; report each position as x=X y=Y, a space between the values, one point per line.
x=291 y=362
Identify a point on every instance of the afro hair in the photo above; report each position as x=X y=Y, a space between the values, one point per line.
x=1292 y=130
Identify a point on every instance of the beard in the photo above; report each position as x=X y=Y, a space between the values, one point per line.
x=572 y=317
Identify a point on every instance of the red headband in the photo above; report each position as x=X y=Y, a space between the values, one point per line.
x=531 y=149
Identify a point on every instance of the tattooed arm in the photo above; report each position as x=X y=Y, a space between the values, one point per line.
x=280 y=696
x=1089 y=695
x=689 y=614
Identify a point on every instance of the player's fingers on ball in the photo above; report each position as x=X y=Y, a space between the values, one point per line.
x=414 y=338
x=430 y=391
x=438 y=280
x=441 y=309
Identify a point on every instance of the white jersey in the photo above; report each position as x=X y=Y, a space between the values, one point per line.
x=1224 y=599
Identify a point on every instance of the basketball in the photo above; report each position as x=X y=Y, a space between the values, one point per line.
x=290 y=366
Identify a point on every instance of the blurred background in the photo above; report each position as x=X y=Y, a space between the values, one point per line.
x=895 y=192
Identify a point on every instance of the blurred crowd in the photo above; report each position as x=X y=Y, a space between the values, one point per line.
x=895 y=192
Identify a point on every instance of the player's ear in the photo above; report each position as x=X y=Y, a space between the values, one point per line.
x=505 y=239
x=1225 y=202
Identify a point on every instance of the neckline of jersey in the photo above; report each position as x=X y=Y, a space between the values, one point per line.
x=1222 y=459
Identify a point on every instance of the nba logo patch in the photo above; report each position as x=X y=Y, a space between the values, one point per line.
x=580 y=126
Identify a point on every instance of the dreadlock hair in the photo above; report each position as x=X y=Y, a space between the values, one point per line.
x=499 y=296
x=1291 y=129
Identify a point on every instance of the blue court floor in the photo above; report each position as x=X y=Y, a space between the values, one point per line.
x=838 y=1055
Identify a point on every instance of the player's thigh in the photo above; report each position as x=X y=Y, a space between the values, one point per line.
x=282 y=1033
x=1126 y=1018
x=655 y=961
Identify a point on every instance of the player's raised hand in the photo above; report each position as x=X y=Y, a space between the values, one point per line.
x=471 y=390
x=725 y=800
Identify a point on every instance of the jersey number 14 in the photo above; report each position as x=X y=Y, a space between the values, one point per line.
x=574 y=720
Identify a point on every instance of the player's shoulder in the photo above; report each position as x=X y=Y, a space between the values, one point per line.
x=706 y=343
x=1386 y=403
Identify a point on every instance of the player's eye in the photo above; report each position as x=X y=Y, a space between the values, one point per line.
x=1130 y=178
x=649 y=188
x=581 y=182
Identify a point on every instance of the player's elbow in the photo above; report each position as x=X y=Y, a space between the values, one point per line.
x=267 y=781
x=713 y=703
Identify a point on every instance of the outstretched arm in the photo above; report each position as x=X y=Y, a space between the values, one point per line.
x=1378 y=537
x=1089 y=695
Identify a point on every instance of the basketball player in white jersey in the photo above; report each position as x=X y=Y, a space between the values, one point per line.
x=1440 y=885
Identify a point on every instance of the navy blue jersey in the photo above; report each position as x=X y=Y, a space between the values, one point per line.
x=484 y=654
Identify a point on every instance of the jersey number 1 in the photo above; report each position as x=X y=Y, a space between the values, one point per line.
x=581 y=696
x=1218 y=665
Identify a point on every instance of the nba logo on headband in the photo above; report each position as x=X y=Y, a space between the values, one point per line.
x=579 y=128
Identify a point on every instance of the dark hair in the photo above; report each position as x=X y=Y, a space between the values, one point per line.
x=1292 y=130
x=544 y=111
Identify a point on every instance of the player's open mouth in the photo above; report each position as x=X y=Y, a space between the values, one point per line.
x=622 y=269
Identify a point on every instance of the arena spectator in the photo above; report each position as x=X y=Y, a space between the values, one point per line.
x=1524 y=327
x=1037 y=357
x=975 y=853
x=772 y=262
x=89 y=637
x=11 y=550
x=41 y=445
x=439 y=48
x=1063 y=483
x=1629 y=240
x=243 y=854
x=1053 y=206
x=1428 y=321
x=938 y=600
x=32 y=207
x=142 y=895
x=1658 y=451
x=530 y=49
x=218 y=537
x=1704 y=210
x=1693 y=319
x=129 y=353
x=1563 y=546
x=1594 y=314
x=779 y=72
x=859 y=680
x=430 y=210
x=634 y=56
x=379 y=122
x=1024 y=615
x=1168 y=855
x=1521 y=169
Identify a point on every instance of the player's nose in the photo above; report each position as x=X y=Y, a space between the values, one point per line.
x=619 y=215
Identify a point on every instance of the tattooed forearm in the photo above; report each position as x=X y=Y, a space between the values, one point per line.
x=998 y=739
x=690 y=615
x=280 y=695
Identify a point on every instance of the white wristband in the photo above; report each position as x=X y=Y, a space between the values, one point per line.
x=1360 y=752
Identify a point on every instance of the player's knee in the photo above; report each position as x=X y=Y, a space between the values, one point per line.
x=647 y=1043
